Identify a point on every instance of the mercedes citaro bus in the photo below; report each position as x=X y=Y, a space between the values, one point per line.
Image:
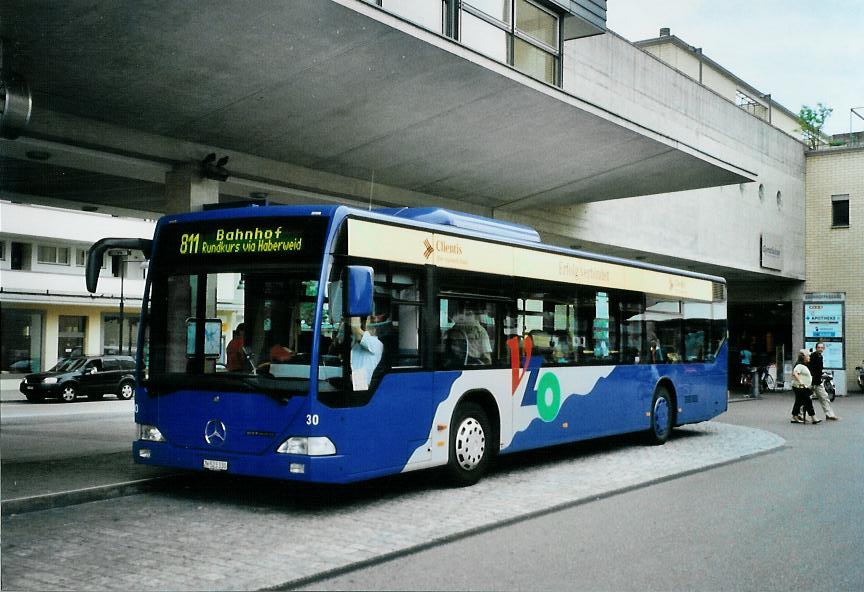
x=487 y=342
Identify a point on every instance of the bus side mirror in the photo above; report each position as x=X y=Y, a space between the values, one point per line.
x=97 y=251
x=360 y=288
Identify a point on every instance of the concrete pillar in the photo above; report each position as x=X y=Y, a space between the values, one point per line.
x=93 y=336
x=797 y=327
x=187 y=191
x=52 y=328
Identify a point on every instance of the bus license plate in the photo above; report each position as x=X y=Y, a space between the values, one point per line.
x=215 y=465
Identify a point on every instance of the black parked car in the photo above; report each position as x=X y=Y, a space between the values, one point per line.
x=92 y=376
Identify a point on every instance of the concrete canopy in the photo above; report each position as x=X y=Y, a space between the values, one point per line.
x=335 y=86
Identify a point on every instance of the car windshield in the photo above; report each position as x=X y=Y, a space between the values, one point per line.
x=68 y=364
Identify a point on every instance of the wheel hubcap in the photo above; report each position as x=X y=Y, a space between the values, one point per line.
x=470 y=444
x=68 y=394
x=126 y=391
x=661 y=417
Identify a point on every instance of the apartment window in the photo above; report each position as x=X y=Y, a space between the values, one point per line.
x=53 y=255
x=481 y=35
x=2 y=250
x=840 y=210
x=426 y=13
x=517 y=32
x=19 y=256
x=80 y=257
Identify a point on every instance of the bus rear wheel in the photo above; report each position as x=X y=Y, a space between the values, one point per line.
x=470 y=448
x=661 y=417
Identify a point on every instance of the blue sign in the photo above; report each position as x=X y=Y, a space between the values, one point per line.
x=823 y=319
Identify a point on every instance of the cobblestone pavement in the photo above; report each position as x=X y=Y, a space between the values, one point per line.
x=241 y=534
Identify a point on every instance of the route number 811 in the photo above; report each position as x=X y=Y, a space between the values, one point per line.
x=189 y=243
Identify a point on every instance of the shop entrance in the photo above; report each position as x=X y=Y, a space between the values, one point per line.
x=765 y=330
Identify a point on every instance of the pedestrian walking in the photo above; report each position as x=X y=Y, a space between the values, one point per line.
x=801 y=382
x=816 y=366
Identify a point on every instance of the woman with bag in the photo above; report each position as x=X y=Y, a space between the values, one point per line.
x=801 y=381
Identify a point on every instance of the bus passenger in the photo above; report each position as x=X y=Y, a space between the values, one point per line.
x=366 y=352
x=474 y=335
x=235 y=358
x=655 y=351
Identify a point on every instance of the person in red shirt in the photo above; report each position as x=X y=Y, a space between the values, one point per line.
x=235 y=357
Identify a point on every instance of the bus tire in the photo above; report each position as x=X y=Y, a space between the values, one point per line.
x=662 y=412
x=470 y=446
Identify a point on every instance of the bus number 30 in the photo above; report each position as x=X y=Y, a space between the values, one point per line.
x=312 y=419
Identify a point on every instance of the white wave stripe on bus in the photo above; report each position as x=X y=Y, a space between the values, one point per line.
x=514 y=417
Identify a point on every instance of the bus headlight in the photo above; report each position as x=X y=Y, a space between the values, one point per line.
x=309 y=446
x=50 y=380
x=150 y=433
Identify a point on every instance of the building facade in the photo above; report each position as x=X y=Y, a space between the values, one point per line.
x=835 y=252
x=47 y=313
x=692 y=62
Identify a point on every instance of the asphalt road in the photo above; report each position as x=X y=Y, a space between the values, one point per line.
x=789 y=520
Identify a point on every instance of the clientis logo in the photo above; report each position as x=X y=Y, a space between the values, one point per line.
x=441 y=246
x=451 y=248
x=547 y=394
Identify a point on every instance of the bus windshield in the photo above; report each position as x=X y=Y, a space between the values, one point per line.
x=226 y=319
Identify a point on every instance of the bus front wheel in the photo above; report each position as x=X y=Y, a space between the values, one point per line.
x=662 y=412
x=470 y=448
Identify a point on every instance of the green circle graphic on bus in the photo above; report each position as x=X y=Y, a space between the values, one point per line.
x=548 y=407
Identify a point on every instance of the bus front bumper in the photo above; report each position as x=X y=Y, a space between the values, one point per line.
x=292 y=467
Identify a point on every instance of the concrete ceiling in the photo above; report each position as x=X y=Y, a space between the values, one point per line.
x=334 y=86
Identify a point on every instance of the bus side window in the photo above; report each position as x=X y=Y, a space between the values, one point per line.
x=397 y=314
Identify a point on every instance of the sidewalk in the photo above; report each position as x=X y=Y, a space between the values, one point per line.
x=32 y=486
x=94 y=474
x=246 y=534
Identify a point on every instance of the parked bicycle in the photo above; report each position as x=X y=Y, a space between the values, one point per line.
x=766 y=381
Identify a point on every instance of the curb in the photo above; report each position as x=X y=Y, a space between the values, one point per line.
x=62 y=499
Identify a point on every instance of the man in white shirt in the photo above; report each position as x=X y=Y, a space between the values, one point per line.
x=366 y=352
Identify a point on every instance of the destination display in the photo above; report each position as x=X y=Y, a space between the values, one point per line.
x=258 y=239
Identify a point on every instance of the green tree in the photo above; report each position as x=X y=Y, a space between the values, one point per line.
x=811 y=121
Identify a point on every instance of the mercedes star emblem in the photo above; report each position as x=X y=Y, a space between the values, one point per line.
x=215 y=432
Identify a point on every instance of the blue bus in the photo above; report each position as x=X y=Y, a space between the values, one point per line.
x=391 y=340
